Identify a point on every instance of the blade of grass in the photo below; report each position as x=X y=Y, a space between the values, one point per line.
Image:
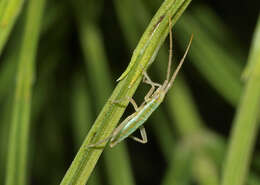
x=18 y=138
x=245 y=124
x=101 y=82
x=82 y=116
x=253 y=55
x=159 y=21
x=179 y=96
x=86 y=158
x=179 y=84
x=98 y=73
x=9 y=11
x=9 y=60
x=7 y=79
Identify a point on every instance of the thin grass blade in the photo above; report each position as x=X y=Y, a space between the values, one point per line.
x=19 y=131
x=9 y=11
x=245 y=124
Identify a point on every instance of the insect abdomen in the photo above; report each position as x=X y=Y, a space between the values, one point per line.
x=139 y=119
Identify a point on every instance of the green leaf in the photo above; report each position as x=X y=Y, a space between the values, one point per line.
x=245 y=124
x=19 y=131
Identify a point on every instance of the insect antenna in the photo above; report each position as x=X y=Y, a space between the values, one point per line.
x=179 y=65
x=170 y=53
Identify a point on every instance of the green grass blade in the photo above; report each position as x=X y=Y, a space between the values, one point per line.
x=245 y=125
x=9 y=61
x=254 y=53
x=86 y=159
x=171 y=9
x=19 y=132
x=101 y=82
x=9 y=11
x=180 y=102
x=7 y=79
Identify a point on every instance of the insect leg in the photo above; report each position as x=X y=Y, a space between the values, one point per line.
x=100 y=142
x=147 y=96
x=131 y=100
x=150 y=82
x=144 y=139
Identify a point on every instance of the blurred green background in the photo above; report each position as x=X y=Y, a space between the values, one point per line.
x=73 y=51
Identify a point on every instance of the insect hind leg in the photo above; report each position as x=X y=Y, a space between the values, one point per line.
x=144 y=139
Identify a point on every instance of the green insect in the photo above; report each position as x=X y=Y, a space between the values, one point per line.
x=151 y=101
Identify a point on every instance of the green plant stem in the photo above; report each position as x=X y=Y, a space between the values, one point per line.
x=19 y=131
x=86 y=158
x=101 y=82
x=9 y=11
x=180 y=102
x=254 y=53
x=245 y=125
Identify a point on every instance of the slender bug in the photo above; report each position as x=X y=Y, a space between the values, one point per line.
x=151 y=101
